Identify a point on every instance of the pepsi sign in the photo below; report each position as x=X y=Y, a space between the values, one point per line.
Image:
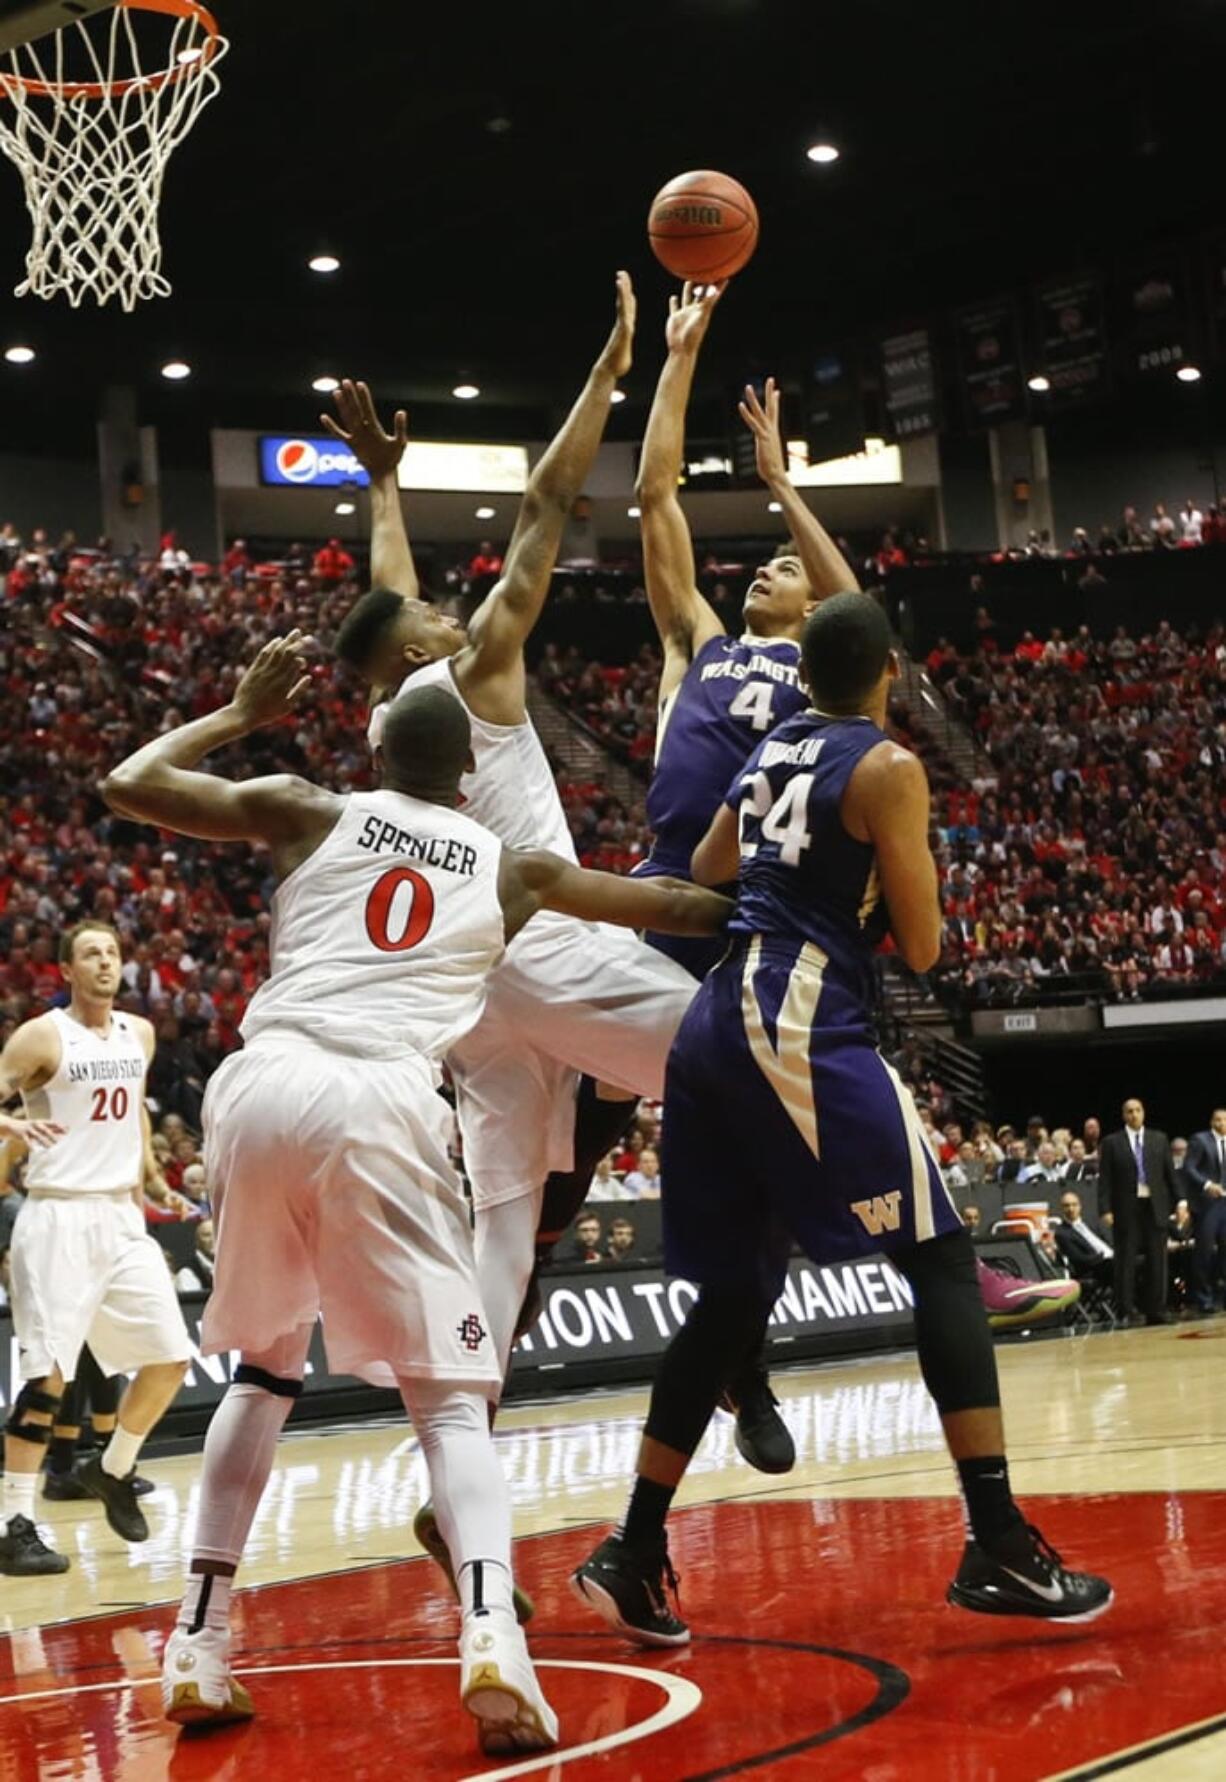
x=306 y=463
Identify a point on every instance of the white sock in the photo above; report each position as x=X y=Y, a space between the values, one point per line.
x=119 y=1455
x=206 y=1602
x=505 y=1238
x=485 y=1588
x=19 y=1495
x=470 y=1494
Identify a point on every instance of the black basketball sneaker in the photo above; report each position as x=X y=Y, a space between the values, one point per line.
x=24 y=1553
x=1022 y=1575
x=117 y=1496
x=630 y=1588
x=762 y=1437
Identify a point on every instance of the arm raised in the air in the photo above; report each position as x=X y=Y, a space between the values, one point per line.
x=379 y=453
x=827 y=570
x=490 y=668
x=530 y=881
x=684 y=620
x=158 y=784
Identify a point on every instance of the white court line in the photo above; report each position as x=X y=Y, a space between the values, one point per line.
x=683 y=1698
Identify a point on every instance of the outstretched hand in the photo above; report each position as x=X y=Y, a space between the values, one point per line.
x=618 y=354
x=274 y=682
x=361 y=430
x=689 y=315
x=763 y=423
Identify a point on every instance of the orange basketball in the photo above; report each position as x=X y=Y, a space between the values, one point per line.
x=703 y=226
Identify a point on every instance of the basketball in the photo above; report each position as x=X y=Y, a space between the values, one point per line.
x=703 y=226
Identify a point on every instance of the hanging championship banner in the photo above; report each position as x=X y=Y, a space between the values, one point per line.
x=1072 y=340
x=1215 y=263
x=909 y=384
x=1155 y=322
x=990 y=364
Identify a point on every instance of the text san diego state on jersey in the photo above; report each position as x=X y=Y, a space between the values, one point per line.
x=803 y=877
x=735 y=691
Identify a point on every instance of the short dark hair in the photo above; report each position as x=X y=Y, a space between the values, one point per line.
x=426 y=739
x=365 y=625
x=845 y=647
x=68 y=940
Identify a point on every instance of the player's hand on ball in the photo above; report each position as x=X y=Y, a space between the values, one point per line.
x=619 y=353
x=37 y=1134
x=689 y=315
x=763 y=423
x=275 y=680
x=361 y=430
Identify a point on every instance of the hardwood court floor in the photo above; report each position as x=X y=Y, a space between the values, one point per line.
x=816 y=1600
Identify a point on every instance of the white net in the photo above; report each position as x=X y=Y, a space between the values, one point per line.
x=91 y=129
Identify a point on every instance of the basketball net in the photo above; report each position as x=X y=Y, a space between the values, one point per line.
x=90 y=132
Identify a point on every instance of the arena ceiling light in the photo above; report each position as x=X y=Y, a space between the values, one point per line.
x=345 y=508
x=486 y=513
x=823 y=153
x=1039 y=384
x=20 y=355
x=324 y=263
x=1188 y=374
x=176 y=370
x=633 y=512
x=325 y=385
x=618 y=396
x=465 y=392
x=774 y=507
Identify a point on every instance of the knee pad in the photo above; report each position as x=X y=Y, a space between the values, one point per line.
x=31 y=1398
x=956 y=1355
x=246 y=1374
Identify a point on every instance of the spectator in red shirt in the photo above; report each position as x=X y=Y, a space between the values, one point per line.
x=332 y=563
x=487 y=563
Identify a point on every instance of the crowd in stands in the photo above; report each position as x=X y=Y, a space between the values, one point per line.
x=993 y=1172
x=1089 y=854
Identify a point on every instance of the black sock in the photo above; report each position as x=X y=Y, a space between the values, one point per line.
x=646 y=1513
x=990 y=1508
x=60 y=1454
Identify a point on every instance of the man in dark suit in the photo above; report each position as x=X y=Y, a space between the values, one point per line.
x=1082 y=1245
x=1137 y=1182
x=1204 y=1173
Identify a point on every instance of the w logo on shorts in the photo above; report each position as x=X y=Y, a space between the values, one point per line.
x=471 y=1333
x=879 y=1214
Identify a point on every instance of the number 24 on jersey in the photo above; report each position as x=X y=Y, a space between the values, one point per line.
x=784 y=820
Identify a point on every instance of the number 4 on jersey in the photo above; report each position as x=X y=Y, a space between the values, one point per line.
x=755 y=701
x=785 y=821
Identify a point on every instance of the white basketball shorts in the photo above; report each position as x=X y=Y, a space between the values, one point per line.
x=86 y=1271
x=569 y=996
x=334 y=1196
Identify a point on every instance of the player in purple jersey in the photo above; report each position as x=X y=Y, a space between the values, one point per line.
x=719 y=695
x=784 y=1122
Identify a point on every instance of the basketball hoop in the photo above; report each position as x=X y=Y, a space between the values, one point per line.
x=91 y=132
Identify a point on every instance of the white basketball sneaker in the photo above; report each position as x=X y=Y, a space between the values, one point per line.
x=197 y=1687
x=498 y=1686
